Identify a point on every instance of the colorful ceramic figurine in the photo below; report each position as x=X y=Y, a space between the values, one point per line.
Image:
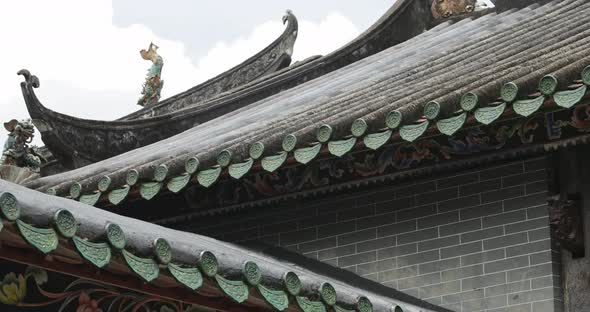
x=17 y=151
x=153 y=82
x=448 y=8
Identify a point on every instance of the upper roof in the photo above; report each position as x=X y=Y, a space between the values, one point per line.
x=173 y=260
x=442 y=74
x=77 y=142
x=63 y=134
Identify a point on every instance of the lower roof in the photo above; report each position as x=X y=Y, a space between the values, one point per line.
x=168 y=258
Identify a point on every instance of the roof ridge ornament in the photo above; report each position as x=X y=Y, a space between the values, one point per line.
x=153 y=82
x=29 y=79
x=448 y=8
x=16 y=151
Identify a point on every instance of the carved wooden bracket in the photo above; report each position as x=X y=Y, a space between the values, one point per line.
x=565 y=219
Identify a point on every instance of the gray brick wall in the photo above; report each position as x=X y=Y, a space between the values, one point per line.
x=468 y=241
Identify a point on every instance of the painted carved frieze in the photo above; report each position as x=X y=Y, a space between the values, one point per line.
x=35 y=289
x=352 y=168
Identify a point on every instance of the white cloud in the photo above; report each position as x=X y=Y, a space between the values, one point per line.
x=73 y=44
x=332 y=32
x=90 y=68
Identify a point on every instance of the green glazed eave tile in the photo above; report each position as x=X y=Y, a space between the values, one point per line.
x=191 y=165
x=237 y=171
x=90 y=199
x=340 y=309
x=451 y=125
x=189 y=277
x=306 y=154
x=145 y=268
x=251 y=272
x=44 y=240
x=9 y=207
x=115 y=236
x=272 y=163
x=104 y=183
x=339 y=148
x=65 y=223
x=98 y=254
x=149 y=190
x=528 y=107
x=569 y=98
x=376 y=140
x=176 y=184
x=278 y=299
x=364 y=304
x=307 y=305
x=207 y=177
x=118 y=195
x=487 y=115
x=236 y=290
x=75 y=190
x=412 y=132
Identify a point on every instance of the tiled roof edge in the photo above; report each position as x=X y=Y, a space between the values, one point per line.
x=395 y=130
x=308 y=292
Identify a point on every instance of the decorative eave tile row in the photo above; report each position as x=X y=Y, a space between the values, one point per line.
x=395 y=130
x=314 y=295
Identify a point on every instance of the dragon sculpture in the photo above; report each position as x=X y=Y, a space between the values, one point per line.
x=153 y=82
x=17 y=151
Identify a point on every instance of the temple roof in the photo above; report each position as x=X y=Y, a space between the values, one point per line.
x=470 y=72
x=78 y=142
x=78 y=235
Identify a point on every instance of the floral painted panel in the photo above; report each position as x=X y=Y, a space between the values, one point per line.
x=391 y=158
x=26 y=288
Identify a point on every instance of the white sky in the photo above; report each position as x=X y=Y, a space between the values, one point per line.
x=91 y=68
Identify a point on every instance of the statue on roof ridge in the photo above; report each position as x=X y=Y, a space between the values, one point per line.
x=17 y=151
x=153 y=81
x=449 y=8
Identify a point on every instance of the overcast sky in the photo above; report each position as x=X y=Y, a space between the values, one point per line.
x=85 y=53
